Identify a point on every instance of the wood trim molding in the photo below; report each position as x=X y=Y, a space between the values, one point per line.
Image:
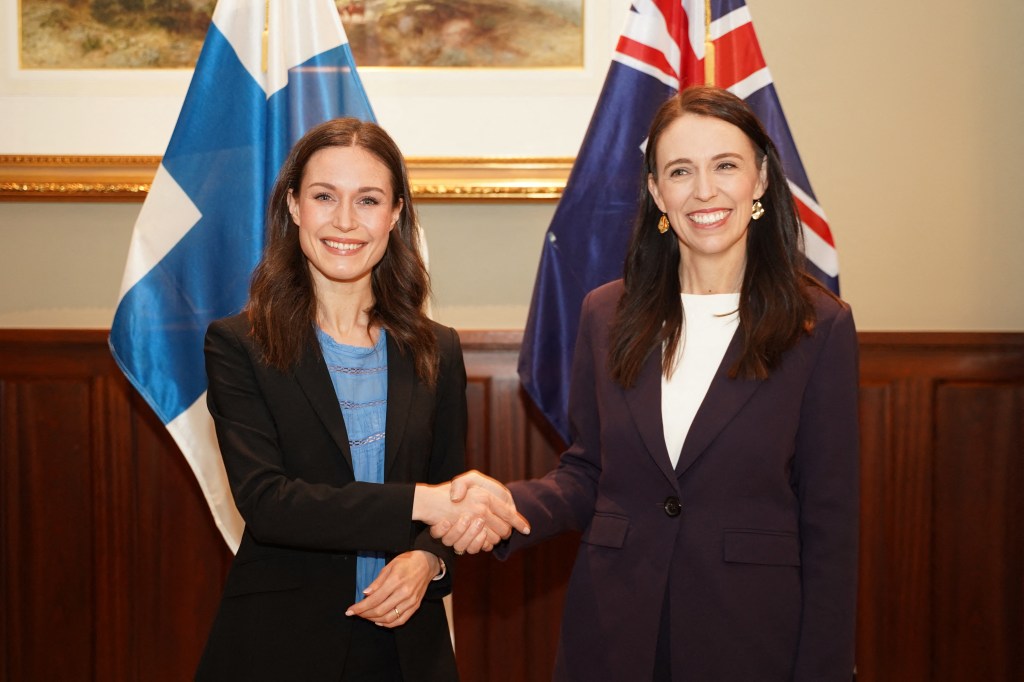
x=129 y=178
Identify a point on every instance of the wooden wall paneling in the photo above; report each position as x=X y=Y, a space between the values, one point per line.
x=107 y=546
x=181 y=558
x=895 y=527
x=978 y=590
x=507 y=613
x=471 y=598
x=116 y=587
x=48 y=568
x=111 y=565
x=875 y=436
x=928 y=500
x=50 y=564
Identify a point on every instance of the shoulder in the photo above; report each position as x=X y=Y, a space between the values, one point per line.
x=450 y=363
x=833 y=325
x=827 y=307
x=232 y=337
x=235 y=326
x=447 y=338
x=236 y=323
x=603 y=300
x=449 y=347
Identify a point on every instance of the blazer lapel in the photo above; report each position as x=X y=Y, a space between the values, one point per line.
x=724 y=399
x=401 y=379
x=644 y=402
x=315 y=380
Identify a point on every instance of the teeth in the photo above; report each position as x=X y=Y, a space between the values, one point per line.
x=708 y=218
x=342 y=246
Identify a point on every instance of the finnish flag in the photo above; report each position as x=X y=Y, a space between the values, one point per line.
x=266 y=74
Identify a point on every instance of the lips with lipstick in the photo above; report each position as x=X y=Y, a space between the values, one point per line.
x=708 y=217
x=343 y=246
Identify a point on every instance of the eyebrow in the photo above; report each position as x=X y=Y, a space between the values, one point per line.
x=367 y=188
x=716 y=157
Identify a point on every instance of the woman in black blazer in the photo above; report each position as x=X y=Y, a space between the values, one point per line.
x=340 y=410
x=713 y=470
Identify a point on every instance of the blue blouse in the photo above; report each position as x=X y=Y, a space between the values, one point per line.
x=360 y=378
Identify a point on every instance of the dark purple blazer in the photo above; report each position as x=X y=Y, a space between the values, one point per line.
x=750 y=542
x=283 y=440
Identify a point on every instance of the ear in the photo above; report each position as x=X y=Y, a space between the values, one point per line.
x=762 y=179
x=652 y=187
x=293 y=207
x=396 y=213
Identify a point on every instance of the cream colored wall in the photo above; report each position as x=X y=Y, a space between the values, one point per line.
x=907 y=115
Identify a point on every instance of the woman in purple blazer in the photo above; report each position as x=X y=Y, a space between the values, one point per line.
x=713 y=466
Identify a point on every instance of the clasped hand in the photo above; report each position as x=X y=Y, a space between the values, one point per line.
x=473 y=513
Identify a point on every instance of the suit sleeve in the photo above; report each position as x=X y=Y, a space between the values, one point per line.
x=448 y=450
x=826 y=475
x=564 y=499
x=279 y=509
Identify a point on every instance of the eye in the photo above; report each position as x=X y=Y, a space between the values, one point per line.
x=369 y=201
x=322 y=196
x=678 y=171
x=727 y=165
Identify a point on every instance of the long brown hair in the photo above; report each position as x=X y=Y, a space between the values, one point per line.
x=282 y=304
x=775 y=304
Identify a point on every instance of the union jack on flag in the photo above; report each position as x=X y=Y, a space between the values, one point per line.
x=666 y=45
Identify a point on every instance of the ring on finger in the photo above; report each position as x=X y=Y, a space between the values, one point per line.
x=397 y=612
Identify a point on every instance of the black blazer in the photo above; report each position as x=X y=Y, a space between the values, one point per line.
x=283 y=440
x=749 y=543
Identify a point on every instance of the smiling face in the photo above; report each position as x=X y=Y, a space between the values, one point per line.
x=707 y=178
x=345 y=209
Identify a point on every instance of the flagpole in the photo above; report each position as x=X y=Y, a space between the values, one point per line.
x=266 y=37
x=709 y=46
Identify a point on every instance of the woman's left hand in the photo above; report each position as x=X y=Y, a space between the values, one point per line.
x=396 y=593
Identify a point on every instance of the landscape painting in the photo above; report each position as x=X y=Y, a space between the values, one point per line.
x=168 y=34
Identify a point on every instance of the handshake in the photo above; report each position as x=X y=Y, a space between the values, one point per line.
x=472 y=513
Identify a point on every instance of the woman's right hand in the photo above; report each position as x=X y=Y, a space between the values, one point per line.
x=472 y=513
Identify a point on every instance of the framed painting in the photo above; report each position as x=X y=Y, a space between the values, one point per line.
x=134 y=34
x=494 y=102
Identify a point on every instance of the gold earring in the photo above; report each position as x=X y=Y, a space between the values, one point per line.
x=663 y=224
x=757 y=210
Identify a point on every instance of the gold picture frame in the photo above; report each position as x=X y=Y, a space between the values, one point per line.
x=128 y=178
x=469 y=135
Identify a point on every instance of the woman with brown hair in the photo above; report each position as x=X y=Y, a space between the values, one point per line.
x=713 y=465
x=340 y=410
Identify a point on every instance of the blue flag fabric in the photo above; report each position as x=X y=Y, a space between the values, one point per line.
x=201 y=229
x=666 y=45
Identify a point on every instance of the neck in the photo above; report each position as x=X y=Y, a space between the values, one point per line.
x=720 y=276
x=343 y=313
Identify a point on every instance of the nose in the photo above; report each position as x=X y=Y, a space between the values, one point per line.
x=343 y=217
x=705 y=188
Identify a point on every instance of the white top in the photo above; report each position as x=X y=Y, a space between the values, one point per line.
x=709 y=322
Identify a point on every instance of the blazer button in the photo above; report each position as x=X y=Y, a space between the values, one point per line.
x=672 y=506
